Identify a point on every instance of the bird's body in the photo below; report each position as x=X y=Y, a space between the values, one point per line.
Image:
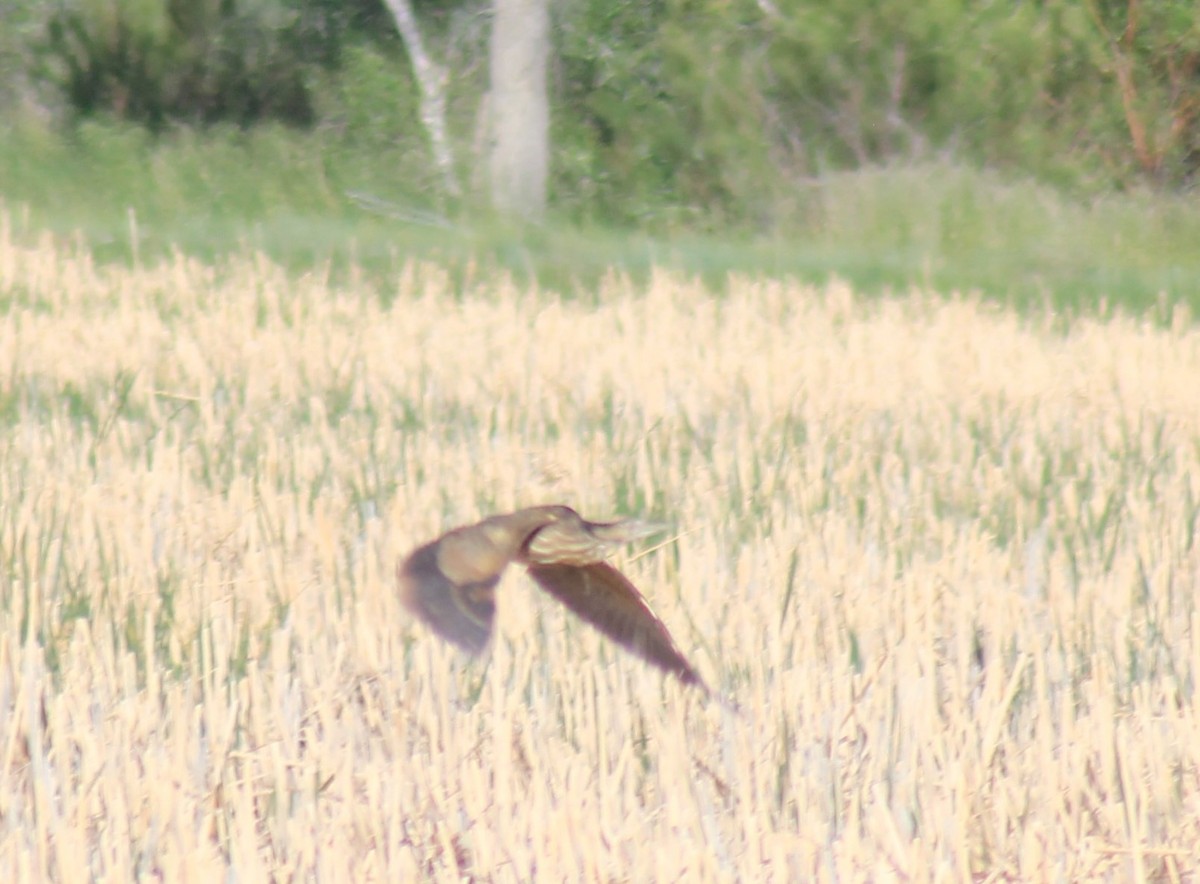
x=451 y=582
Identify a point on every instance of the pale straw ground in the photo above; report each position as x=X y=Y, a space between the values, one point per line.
x=945 y=558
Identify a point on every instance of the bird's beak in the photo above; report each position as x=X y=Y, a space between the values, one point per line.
x=625 y=530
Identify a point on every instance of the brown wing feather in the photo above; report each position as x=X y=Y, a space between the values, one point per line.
x=451 y=582
x=601 y=595
x=459 y=612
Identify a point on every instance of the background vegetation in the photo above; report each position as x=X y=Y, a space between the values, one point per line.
x=942 y=552
x=1039 y=151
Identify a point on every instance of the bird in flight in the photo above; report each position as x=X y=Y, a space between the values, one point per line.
x=450 y=583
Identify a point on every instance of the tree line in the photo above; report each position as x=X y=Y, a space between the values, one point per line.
x=685 y=107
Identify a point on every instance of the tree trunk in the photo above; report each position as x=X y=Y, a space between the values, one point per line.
x=520 y=107
x=431 y=79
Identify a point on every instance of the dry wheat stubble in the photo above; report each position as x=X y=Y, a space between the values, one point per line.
x=945 y=559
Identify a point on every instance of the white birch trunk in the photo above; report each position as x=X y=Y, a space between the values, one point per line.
x=431 y=79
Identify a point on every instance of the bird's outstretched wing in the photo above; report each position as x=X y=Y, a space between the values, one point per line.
x=459 y=612
x=451 y=582
x=604 y=597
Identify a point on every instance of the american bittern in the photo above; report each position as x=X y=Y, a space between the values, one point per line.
x=450 y=583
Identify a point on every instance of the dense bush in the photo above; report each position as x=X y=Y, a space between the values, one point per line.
x=195 y=61
x=723 y=107
x=669 y=112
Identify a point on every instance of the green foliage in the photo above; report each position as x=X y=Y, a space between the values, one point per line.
x=371 y=122
x=1151 y=62
x=696 y=111
x=656 y=131
x=132 y=196
x=683 y=118
x=199 y=61
x=374 y=101
x=608 y=72
x=19 y=27
x=864 y=78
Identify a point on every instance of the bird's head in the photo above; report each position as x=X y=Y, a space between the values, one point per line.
x=569 y=539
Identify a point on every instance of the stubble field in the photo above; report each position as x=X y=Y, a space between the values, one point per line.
x=945 y=558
